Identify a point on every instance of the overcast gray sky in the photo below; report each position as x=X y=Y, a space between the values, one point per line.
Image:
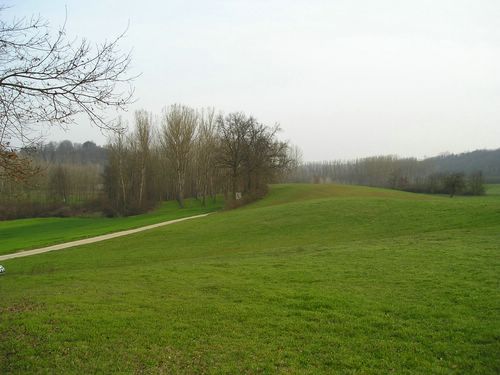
x=344 y=79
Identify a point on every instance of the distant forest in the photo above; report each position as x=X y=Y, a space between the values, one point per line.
x=71 y=153
x=486 y=161
x=451 y=174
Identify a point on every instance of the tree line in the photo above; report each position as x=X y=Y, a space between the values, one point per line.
x=69 y=152
x=409 y=174
x=183 y=152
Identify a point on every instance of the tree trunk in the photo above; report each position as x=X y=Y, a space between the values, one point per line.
x=234 y=186
x=180 y=187
x=141 y=188
x=122 y=182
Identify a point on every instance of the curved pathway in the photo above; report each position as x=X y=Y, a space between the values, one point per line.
x=94 y=239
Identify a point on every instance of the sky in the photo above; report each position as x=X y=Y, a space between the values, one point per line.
x=344 y=79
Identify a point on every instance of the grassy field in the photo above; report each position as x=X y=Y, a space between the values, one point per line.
x=312 y=279
x=32 y=233
x=493 y=189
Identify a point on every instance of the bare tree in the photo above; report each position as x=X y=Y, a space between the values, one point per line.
x=59 y=184
x=178 y=134
x=143 y=136
x=250 y=153
x=296 y=157
x=475 y=183
x=116 y=177
x=233 y=130
x=206 y=153
x=454 y=183
x=264 y=156
x=47 y=79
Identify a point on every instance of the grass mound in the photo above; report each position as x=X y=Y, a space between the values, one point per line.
x=311 y=279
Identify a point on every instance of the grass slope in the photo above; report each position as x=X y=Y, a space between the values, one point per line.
x=26 y=234
x=312 y=279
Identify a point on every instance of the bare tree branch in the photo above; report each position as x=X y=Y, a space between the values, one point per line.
x=47 y=79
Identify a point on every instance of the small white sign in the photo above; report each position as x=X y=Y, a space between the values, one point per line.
x=238 y=195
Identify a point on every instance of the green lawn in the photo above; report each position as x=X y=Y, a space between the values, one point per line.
x=33 y=233
x=312 y=279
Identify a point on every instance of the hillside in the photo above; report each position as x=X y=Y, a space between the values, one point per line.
x=311 y=279
x=487 y=161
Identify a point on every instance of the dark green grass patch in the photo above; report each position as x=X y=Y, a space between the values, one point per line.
x=341 y=284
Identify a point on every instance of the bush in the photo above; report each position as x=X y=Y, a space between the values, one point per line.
x=449 y=183
x=245 y=199
x=21 y=210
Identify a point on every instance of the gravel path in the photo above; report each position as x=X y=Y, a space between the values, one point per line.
x=93 y=239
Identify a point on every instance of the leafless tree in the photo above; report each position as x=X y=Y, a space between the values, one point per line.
x=143 y=137
x=475 y=183
x=47 y=79
x=233 y=130
x=59 y=184
x=206 y=153
x=250 y=153
x=117 y=176
x=264 y=156
x=178 y=135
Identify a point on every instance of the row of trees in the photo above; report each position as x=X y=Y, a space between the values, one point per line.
x=55 y=189
x=190 y=152
x=68 y=152
x=384 y=171
x=392 y=172
x=56 y=172
x=184 y=152
x=452 y=183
